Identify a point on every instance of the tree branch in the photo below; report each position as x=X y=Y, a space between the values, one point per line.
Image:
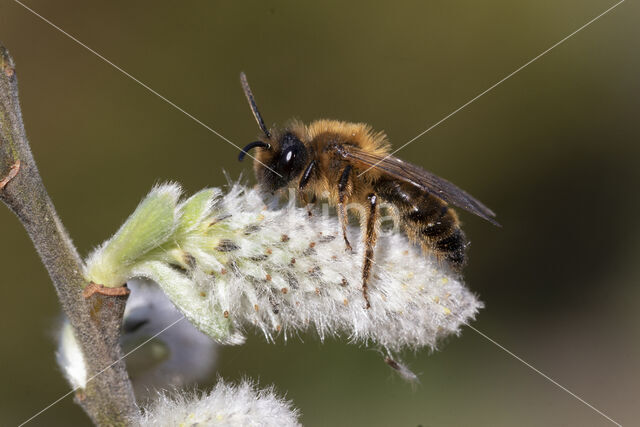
x=108 y=399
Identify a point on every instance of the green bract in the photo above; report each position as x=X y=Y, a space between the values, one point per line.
x=152 y=223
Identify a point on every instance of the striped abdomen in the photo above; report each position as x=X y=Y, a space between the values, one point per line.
x=427 y=219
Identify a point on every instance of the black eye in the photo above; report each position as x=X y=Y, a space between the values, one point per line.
x=288 y=160
x=293 y=156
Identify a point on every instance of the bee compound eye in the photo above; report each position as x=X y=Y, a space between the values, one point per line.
x=292 y=157
x=287 y=160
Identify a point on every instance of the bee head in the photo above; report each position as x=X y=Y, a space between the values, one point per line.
x=278 y=161
x=280 y=158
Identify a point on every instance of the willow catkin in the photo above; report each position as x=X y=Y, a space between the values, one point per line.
x=235 y=261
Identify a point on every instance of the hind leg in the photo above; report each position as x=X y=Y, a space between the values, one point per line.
x=306 y=176
x=370 y=237
x=344 y=190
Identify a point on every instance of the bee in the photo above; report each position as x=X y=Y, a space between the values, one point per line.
x=350 y=163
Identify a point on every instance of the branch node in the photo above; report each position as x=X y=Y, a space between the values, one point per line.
x=6 y=63
x=94 y=288
x=13 y=171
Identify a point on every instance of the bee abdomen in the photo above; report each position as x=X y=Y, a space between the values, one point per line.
x=454 y=247
x=427 y=220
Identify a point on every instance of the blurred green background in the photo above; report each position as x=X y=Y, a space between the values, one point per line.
x=553 y=150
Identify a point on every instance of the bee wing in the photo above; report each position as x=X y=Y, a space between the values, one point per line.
x=422 y=179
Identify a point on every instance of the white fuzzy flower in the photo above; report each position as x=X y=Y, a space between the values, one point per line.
x=228 y=262
x=225 y=405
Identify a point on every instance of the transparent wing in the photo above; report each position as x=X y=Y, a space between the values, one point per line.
x=428 y=182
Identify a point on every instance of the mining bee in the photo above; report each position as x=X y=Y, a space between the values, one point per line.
x=350 y=163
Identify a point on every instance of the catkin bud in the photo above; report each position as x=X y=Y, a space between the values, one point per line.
x=237 y=260
x=170 y=357
x=174 y=353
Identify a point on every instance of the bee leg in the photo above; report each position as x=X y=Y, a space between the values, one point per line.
x=306 y=175
x=309 y=204
x=343 y=189
x=370 y=237
x=313 y=201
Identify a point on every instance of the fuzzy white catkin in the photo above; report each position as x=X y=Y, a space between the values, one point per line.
x=238 y=260
x=225 y=405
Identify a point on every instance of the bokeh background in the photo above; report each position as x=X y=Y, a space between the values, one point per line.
x=553 y=150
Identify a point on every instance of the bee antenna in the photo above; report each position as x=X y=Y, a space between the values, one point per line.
x=251 y=145
x=252 y=104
